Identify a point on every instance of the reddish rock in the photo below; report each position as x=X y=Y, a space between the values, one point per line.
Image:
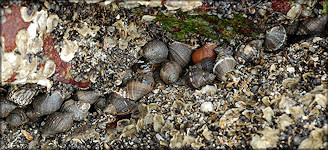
x=10 y=28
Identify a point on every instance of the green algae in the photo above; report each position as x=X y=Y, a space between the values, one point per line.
x=182 y=23
x=325 y=7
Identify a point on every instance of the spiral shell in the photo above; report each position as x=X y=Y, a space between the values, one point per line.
x=145 y=68
x=199 y=78
x=206 y=64
x=248 y=52
x=79 y=109
x=47 y=103
x=17 y=118
x=275 y=38
x=119 y=106
x=224 y=64
x=206 y=51
x=170 y=72
x=5 y=108
x=294 y=12
x=58 y=122
x=22 y=97
x=313 y=25
x=88 y=96
x=155 y=51
x=140 y=86
x=180 y=53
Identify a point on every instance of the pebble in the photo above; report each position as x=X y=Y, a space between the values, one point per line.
x=207 y=107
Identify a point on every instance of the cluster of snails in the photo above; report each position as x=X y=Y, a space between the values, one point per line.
x=307 y=26
x=46 y=104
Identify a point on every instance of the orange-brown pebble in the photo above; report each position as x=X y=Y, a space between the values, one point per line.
x=27 y=135
x=206 y=51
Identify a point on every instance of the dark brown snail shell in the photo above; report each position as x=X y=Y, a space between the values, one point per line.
x=6 y=107
x=119 y=106
x=155 y=51
x=17 y=118
x=313 y=25
x=198 y=78
x=88 y=96
x=292 y=28
x=22 y=97
x=206 y=51
x=47 y=103
x=58 y=122
x=180 y=53
x=206 y=64
x=248 y=52
x=224 y=64
x=140 y=86
x=170 y=72
x=79 y=109
x=275 y=38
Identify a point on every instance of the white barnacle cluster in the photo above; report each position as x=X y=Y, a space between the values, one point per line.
x=22 y=60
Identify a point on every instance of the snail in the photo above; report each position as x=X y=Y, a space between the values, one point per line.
x=101 y=103
x=206 y=51
x=313 y=25
x=206 y=64
x=47 y=104
x=58 y=122
x=170 y=72
x=292 y=27
x=248 y=52
x=6 y=107
x=17 y=118
x=275 y=38
x=144 y=67
x=224 y=64
x=180 y=53
x=87 y=96
x=23 y=96
x=140 y=86
x=155 y=51
x=119 y=105
x=294 y=12
x=198 y=78
x=79 y=109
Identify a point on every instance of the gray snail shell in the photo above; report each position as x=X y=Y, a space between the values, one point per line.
x=119 y=106
x=79 y=109
x=3 y=125
x=224 y=64
x=170 y=72
x=5 y=108
x=248 y=52
x=206 y=64
x=58 y=122
x=17 y=118
x=140 y=86
x=22 y=97
x=275 y=38
x=313 y=25
x=155 y=51
x=198 y=78
x=101 y=103
x=88 y=96
x=47 y=103
x=180 y=53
